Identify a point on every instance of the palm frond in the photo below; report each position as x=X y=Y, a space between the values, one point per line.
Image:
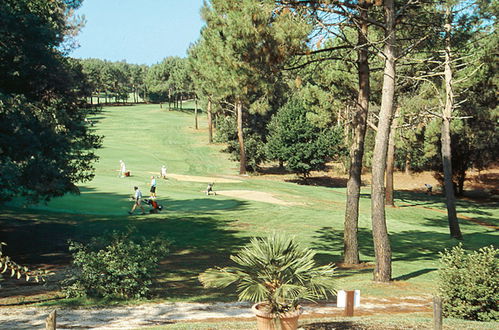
x=274 y=269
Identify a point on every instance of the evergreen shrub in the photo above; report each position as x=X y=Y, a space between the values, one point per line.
x=119 y=268
x=469 y=283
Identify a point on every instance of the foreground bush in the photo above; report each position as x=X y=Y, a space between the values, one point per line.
x=469 y=283
x=121 y=269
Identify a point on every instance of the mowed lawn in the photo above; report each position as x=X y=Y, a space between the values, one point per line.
x=205 y=230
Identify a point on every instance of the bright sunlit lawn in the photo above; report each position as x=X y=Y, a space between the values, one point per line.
x=205 y=230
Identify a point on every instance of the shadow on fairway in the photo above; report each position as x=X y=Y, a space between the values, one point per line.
x=410 y=245
x=414 y=274
x=187 y=110
x=335 y=325
x=322 y=181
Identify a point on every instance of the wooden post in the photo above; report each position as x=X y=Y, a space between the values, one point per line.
x=349 y=305
x=437 y=313
x=50 y=321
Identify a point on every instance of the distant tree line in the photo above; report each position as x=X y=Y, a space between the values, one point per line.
x=121 y=82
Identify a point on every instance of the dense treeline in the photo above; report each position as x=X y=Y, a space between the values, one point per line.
x=121 y=82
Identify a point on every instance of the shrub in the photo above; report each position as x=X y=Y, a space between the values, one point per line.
x=121 y=269
x=275 y=270
x=469 y=283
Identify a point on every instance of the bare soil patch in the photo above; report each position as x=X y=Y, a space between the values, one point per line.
x=129 y=317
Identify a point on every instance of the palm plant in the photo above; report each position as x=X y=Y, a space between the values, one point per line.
x=274 y=270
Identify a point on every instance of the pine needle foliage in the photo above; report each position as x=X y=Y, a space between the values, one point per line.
x=274 y=270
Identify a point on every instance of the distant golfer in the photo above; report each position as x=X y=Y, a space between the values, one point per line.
x=122 y=168
x=136 y=199
x=163 y=172
x=210 y=190
x=429 y=188
x=153 y=187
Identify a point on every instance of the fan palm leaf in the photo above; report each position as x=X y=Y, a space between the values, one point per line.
x=276 y=270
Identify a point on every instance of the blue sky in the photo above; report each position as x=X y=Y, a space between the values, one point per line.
x=138 y=31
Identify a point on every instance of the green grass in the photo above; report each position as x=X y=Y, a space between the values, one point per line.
x=205 y=230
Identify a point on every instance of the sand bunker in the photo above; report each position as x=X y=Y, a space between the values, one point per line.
x=257 y=196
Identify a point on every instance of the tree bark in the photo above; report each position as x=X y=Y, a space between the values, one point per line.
x=390 y=164
x=455 y=231
x=240 y=137
x=196 y=112
x=210 y=124
x=382 y=249
x=350 y=239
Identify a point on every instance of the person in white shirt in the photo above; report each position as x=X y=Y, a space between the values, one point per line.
x=122 y=168
x=136 y=198
x=153 y=187
x=163 y=172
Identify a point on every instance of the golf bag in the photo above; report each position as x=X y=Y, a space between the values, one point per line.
x=155 y=206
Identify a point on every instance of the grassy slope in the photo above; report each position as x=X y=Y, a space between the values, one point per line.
x=205 y=230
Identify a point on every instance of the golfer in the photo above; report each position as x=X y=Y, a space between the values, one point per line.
x=122 y=168
x=210 y=190
x=163 y=172
x=153 y=187
x=136 y=198
x=429 y=188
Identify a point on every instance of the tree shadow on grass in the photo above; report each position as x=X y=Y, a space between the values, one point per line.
x=187 y=110
x=410 y=198
x=409 y=245
x=414 y=274
x=199 y=239
x=334 y=325
x=322 y=181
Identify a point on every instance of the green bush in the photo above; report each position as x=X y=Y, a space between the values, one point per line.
x=119 y=268
x=296 y=141
x=469 y=283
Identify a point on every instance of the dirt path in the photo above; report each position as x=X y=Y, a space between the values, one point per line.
x=146 y=315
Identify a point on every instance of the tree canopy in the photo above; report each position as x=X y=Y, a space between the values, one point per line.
x=45 y=146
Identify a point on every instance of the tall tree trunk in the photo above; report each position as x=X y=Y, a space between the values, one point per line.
x=382 y=250
x=350 y=239
x=210 y=124
x=196 y=112
x=390 y=163
x=180 y=101
x=455 y=231
x=240 y=137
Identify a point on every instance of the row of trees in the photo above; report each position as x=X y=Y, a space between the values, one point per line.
x=167 y=81
x=419 y=73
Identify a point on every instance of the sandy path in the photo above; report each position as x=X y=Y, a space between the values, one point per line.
x=133 y=317
x=206 y=179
